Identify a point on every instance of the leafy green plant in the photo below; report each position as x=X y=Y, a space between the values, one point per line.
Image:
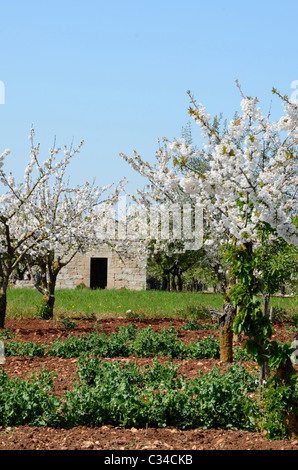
x=72 y=346
x=206 y=348
x=7 y=334
x=149 y=343
x=122 y=394
x=14 y=348
x=240 y=354
x=68 y=324
x=28 y=401
x=279 y=401
x=280 y=314
x=128 y=341
x=43 y=311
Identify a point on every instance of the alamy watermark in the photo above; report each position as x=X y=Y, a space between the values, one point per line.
x=160 y=222
x=2 y=92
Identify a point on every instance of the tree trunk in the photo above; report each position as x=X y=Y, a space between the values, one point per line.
x=237 y=337
x=263 y=373
x=166 y=282
x=283 y=375
x=173 y=283
x=265 y=307
x=47 y=306
x=271 y=315
x=3 y=302
x=48 y=299
x=179 y=283
x=226 y=333
x=264 y=369
x=291 y=422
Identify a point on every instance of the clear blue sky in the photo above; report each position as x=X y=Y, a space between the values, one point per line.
x=115 y=73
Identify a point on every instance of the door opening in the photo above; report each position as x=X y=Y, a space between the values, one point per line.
x=98 y=273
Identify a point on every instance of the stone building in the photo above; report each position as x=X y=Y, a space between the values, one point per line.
x=103 y=269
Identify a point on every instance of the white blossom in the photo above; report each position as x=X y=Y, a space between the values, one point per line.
x=252 y=177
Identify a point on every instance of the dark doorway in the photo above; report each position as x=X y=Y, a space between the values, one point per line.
x=98 y=273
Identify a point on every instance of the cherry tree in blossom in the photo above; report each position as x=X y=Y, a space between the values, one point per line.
x=245 y=186
x=73 y=220
x=16 y=228
x=48 y=221
x=250 y=185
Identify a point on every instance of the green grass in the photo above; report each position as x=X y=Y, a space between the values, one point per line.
x=75 y=303
x=285 y=307
x=22 y=303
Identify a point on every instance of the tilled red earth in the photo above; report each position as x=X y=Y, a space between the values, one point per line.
x=116 y=438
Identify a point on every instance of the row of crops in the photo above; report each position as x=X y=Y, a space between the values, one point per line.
x=126 y=394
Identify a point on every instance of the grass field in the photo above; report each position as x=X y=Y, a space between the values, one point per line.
x=23 y=303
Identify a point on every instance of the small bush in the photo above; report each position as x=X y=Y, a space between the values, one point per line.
x=43 y=311
x=14 y=348
x=68 y=324
x=206 y=348
x=28 y=401
x=7 y=334
x=278 y=402
x=149 y=343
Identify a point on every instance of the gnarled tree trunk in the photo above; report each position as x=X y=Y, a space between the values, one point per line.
x=226 y=333
x=283 y=375
x=3 y=302
x=46 y=284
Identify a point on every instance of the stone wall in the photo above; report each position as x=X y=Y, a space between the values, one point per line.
x=121 y=273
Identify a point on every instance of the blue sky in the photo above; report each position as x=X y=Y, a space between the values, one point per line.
x=115 y=73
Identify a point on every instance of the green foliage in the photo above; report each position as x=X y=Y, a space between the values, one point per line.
x=15 y=348
x=278 y=401
x=278 y=353
x=131 y=341
x=296 y=323
x=7 y=334
x=264 y=272
x=179 y=270
x=44 y=311
x=91 y=370
x=28 y=401
x=149 y=343
x=277 y=262
x=124 y=395
x=242 y=265
x=240 y=354
x=68 y=324
x=250 y=317
x=206 y=348
x=128 y=341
